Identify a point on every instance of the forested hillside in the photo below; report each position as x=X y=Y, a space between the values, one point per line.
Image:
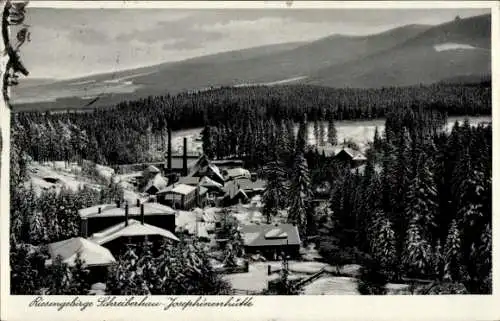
x=123 y=133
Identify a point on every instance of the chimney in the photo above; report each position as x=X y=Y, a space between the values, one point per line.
x=184 y=159
x=142 y=214
x=169 y=150
x=126 y=214
x=99 y=210
x=138 y=202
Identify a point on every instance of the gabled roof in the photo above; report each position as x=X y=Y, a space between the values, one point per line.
x=208 y=182
x=355 y=155
x=238 y=172
x=270 y=234
x=108 y=210
x=189 y=180
x=216 y=171
x=159 y=182
x=203 y=190
x=232 y=188
x=90 y=252
x=181 y=189
x=153 y=169
x=134 y=228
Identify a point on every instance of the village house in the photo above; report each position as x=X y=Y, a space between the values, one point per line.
x=155 y=182
x=204 y=167
x=133 y=232
x=236 y=173
x=251 y=187
x=189 y=180
x=179 y=196
x=96 y=258
x=271 y=240
x=99 y=217
x=343 y=154
x=233 y=194
x=352 y=157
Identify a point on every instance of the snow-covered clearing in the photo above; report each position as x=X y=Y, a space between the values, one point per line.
x=257 y=279
x=359 y=131
x=55 y=175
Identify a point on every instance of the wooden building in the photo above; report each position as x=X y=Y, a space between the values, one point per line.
x=271 y=240
x=351 y=157
x=97 y=218
x=96 y=258
x=116 y=238
x=179 y=196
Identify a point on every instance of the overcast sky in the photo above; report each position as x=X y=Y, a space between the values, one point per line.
x=67 y=43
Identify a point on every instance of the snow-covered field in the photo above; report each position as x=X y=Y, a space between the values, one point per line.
x=359 y=131
x=54 y=175
x=256 y=279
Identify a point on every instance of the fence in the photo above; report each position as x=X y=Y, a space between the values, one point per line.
x=245 y=292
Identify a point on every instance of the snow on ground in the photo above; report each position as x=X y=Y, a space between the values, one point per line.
x=452 y=46
x=332 y=285
x=359 y=131
x=247 y=215
x=55 y=175
x=257 y=279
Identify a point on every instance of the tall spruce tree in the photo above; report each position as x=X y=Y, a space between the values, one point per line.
x=453 y=268
x=332 y=132
x=274 y=196
x=300 y=194
x=208 y=142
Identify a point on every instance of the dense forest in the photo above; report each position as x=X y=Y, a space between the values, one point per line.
x=419 y=209
x=136 y=125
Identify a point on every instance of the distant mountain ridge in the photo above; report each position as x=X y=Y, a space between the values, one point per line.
x=398 y=57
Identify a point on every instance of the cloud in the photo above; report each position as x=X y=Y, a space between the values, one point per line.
x=180 y=33
x=88 y=36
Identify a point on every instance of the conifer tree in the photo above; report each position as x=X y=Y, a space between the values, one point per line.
x=452 y=255
x=79 y=277
x=58 y=279
x=418 y=253
x=302 y=136
x=275 y=193
x=316 y=133
x=332 y=132
x=208 y=142
x=299 y=193
x=384 y=244
x=322 y=131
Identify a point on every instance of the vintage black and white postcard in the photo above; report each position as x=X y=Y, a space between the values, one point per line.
x=248 y=160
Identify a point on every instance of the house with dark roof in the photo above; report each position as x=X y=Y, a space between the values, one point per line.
x=99 y=217
x=271 y=240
